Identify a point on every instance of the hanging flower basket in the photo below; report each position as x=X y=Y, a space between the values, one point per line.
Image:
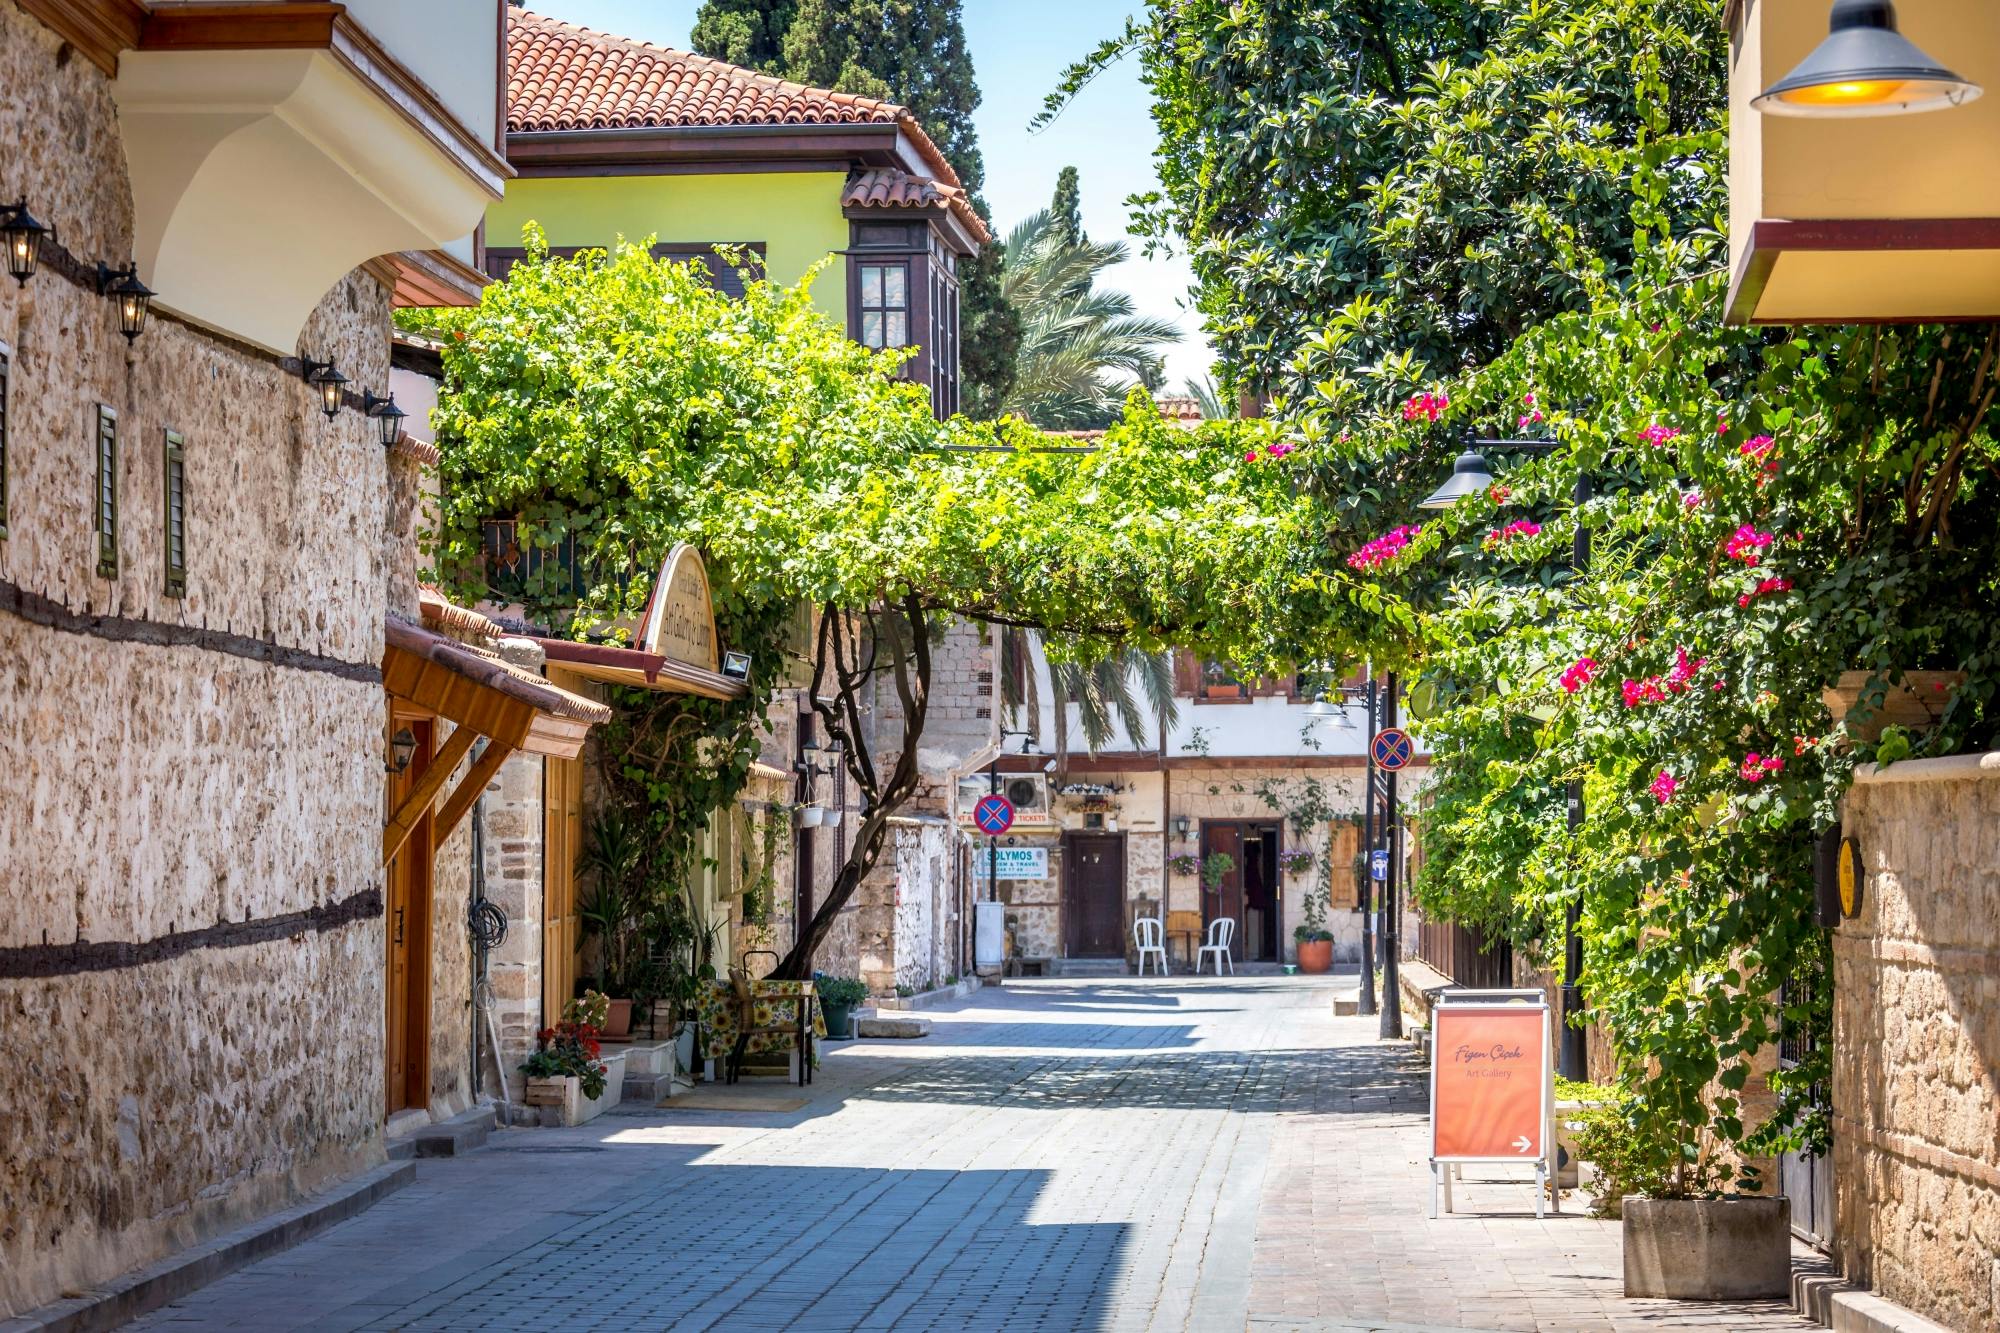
x=1184 y=864
x=1297 y=861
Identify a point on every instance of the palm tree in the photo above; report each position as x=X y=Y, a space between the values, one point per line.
x=1208 y=396
x=1100 y=687
x=1076 y=341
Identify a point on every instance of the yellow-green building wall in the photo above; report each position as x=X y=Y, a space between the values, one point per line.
x=796 y=214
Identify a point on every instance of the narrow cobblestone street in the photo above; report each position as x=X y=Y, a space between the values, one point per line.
x=1179 y=1154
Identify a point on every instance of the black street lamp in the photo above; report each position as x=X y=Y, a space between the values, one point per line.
x=22 y=236
x=1865 y=67
x=1470 y=476
x=389 y=418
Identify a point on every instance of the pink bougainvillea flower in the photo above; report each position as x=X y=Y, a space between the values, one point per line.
x=1579 y=674
x=1250 y=457
x=1747 y=545
x=1722 y=423
x=1756 y=767
x=1664 y=786
x=1657 y=435
x=1684 y=670
x=1519 y=528
x=1764 y=588
x=1694 y=499
x=1425 y=407
x=1647 y=691
x=1756 y=446
x=1383 y=549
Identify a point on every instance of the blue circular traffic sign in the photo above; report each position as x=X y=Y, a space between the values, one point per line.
x=1392 y=749
x=993 y=814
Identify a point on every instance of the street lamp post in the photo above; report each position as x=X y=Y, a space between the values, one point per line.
x=1366 y=1001
x=1469 y=476
x=1392 y=842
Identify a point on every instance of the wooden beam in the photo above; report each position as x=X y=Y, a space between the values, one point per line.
x=468 y=791
x=98 y=28
x=397 y=831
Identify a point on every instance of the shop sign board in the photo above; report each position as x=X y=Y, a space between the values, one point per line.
x=1015 y=862
x=1492 y=1085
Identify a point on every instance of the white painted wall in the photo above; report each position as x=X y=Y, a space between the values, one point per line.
x=452 y=45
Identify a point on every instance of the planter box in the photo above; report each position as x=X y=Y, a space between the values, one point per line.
x=1708 y=1249
x=560 y=1101
x=1918 y=702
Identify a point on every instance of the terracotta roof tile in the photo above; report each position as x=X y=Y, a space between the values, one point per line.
x=886 y=187
x=562 y=77
x=1175 y=407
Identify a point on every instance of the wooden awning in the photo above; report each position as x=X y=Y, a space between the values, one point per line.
x=642 y=670
x=512 y=708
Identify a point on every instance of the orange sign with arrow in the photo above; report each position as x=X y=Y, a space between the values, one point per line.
x=1491 y=1092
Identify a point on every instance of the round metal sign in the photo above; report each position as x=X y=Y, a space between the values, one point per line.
x=1851 y=877
x=1392 y=749
x=993 y=814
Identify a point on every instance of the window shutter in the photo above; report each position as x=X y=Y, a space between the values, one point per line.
x=1342 y=870
x=175 y=488
x=107 y=492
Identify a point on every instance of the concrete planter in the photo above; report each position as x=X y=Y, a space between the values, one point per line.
x=1736 y=1249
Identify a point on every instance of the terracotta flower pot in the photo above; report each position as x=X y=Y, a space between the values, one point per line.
x=618 y=1020
x=1315 y=956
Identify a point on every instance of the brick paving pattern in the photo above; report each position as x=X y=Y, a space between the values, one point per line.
x=1123 y=1155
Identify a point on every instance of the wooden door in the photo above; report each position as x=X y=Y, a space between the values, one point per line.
x=406 y=936
x=1225 y=899
x=562 y=833
x=1094 y=895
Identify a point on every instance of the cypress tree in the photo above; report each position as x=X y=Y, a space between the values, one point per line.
x=750 y=33
x=1067 y=208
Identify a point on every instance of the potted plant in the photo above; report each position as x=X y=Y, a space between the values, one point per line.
x=1215 y=868
x=1314 y=940
x=1692 y=1228
x=567 y=1074
x=838 y=997
x=1297 y=861
x=612 y=915
x=1185 y=863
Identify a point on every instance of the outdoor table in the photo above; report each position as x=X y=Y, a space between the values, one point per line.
x=774 y=1005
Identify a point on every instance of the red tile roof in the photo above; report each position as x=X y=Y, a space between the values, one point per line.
x=562 y=77
x=886 y=187
x=1176 y=407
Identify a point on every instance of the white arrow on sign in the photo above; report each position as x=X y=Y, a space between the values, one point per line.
x=1522 y=1144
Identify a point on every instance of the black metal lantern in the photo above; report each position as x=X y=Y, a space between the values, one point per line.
x=402 y=748
x=1865 y=67
x=133 y=297
x=23 y=236
x=328 y=381
x=389 y=418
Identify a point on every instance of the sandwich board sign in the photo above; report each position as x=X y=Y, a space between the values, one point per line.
x=1492 y=1085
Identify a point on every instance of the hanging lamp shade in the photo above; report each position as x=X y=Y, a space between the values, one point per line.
x=1469 y=476
x=1865 y=67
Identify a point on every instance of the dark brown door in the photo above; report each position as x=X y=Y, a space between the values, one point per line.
x=1223 y=898
x=1094 y=894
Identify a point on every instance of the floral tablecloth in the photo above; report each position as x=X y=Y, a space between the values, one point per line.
x=775 y=1002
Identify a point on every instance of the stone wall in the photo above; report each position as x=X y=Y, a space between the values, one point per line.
x=191 y=948
x=1916 y=1069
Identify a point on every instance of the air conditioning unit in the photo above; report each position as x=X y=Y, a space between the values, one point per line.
x=1028 y=791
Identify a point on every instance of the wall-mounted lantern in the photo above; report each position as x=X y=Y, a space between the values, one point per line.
x=132 y=296
x=1180 y=826
x=327 y=381
x=23 y=236
x=402 y=748
x=1865 y=67
x=389 y=418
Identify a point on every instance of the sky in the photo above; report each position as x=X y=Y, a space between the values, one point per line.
x=1019 y=47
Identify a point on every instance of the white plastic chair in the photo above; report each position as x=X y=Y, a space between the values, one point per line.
x=1150 y=936
x=1220 y=932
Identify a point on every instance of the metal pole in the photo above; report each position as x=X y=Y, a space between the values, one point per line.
x=1573 y=1050
x=1366 y=1003
x=993 y=840
x=1392 y=999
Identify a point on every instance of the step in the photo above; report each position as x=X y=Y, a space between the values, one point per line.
x=451 y=1138
x=925 y=999
x=893 y=1025
x=1087 y=967
x=645 y=1057
x=1345 y=1006
x=647 y=1088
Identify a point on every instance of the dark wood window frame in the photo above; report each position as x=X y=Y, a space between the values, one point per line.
x=105 y=496
x=882 y=269
x=173 y=496
x=6 y=391
x=930 y=294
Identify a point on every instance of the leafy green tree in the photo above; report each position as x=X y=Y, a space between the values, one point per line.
x=1067 y=207
x=1431 y=176
x=623 y=402
x=1076 y=338
x=750 y=33
x=912 y=52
